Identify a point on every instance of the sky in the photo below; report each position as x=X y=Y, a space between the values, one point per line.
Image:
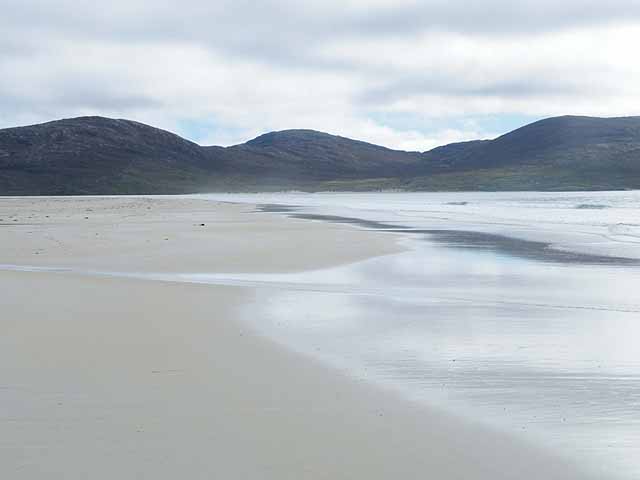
x=406 y=74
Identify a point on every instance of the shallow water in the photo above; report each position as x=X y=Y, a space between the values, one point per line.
x=613 y=228
x=520 y=310
x=540 y=341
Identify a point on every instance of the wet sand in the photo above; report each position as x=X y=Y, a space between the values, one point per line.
x=106 y=377
x=517 y=247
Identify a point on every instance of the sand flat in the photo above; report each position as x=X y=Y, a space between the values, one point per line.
x=105 y=377
x=164 y=234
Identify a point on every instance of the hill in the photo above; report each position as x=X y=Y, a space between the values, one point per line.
x=294 y=156
x=566 y=152
x=95 y=155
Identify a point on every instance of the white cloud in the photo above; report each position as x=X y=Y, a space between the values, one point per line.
x=249 y=67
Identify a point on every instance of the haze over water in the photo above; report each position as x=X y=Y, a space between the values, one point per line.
x=512 y=334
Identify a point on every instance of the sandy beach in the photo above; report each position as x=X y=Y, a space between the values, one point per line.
x=107 y=377
x=132 y=234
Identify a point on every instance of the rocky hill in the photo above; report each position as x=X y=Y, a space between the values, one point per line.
x=95 y=155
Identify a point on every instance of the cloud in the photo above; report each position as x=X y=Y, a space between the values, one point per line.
x=223 y=71
x=499 y=17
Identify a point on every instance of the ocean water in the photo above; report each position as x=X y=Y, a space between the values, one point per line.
x=518 y=310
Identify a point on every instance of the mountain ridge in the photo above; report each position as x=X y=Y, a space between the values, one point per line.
x=100 y=155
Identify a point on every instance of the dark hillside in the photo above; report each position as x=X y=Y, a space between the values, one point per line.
x=95 y=155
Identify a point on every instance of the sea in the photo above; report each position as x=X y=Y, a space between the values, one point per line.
x=517 y=310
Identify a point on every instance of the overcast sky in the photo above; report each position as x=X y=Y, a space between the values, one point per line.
x=407 y=74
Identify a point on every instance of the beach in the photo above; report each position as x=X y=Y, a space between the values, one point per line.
x=165 y=234
x=108 y=376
